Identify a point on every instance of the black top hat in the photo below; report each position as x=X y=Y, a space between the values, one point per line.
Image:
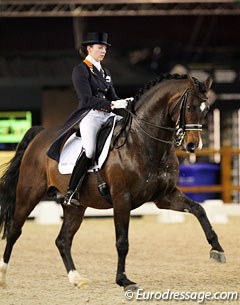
x=96 y=38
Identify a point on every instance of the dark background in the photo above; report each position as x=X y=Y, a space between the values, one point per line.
x=37 y=56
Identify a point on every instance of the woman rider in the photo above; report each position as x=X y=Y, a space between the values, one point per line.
x=97 y=100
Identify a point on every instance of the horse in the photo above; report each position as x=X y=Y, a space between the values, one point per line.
x=166 y=112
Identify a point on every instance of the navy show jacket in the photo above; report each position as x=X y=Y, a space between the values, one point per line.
x=94 y=91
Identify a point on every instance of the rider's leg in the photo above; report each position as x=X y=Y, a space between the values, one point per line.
x=89 y=127
x=80 y=168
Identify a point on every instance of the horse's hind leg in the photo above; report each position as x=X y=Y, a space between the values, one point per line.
x=177 y=201
x=12 y=237
x=21 y=213
x=72 y=219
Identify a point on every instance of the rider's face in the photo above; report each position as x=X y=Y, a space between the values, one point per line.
x=97 y=51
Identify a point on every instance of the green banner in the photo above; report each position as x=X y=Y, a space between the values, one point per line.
x=13 y=125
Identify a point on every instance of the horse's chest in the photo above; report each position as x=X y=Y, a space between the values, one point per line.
x=160 y=179
x=153 y=182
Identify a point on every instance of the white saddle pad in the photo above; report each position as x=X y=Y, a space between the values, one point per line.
x=72 y=149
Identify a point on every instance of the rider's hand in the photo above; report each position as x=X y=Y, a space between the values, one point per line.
x=119 y=104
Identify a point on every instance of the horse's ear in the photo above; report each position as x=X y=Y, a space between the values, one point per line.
x=191 y=83
x=208 y=83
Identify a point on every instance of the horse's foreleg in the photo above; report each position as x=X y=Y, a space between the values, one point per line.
x=177 y=201
x=121 y=220
x=72 y=220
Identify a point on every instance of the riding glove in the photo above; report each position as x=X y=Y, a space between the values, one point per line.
x=123 y=103
x=119 y=104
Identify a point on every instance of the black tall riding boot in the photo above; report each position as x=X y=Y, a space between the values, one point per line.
x=79 y=171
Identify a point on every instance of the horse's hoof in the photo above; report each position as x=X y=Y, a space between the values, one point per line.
x=83 y=283
x=218 y=256
x=77 y=280
x=131 y=287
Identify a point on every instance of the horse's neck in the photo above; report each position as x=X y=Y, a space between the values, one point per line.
x=156 y=145
x=153 y=108
x=154 y=102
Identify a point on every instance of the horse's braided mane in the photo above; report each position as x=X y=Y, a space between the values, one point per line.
x=167 y=76
x=128 y=118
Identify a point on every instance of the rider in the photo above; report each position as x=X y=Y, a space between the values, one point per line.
x=96 y=94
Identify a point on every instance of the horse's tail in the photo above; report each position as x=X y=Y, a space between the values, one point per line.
x=9 y=180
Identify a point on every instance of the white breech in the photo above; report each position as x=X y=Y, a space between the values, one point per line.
x=89 y=127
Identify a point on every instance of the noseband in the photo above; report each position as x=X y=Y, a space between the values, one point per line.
x=180 y=128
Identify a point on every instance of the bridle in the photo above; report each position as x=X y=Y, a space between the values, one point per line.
x=180 y=128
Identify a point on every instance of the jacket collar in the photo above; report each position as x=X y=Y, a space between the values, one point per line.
x=95 y=71
x=97 y=64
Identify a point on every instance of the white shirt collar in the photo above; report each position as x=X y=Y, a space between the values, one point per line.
x=94 y=62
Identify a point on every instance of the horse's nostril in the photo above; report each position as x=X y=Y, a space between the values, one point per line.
x=191 y=147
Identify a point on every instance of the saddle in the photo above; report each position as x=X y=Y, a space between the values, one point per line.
x=73 y=146
x=102 y=136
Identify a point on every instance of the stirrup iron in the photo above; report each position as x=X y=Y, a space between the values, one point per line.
x=70 y=201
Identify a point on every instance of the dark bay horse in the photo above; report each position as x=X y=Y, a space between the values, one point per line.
x=168 y=110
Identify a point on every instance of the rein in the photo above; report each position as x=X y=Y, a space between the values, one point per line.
x=139 y=121
x=180 y=128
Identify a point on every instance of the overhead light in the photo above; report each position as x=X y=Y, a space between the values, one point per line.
x=225 y=76
x=200 y=74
